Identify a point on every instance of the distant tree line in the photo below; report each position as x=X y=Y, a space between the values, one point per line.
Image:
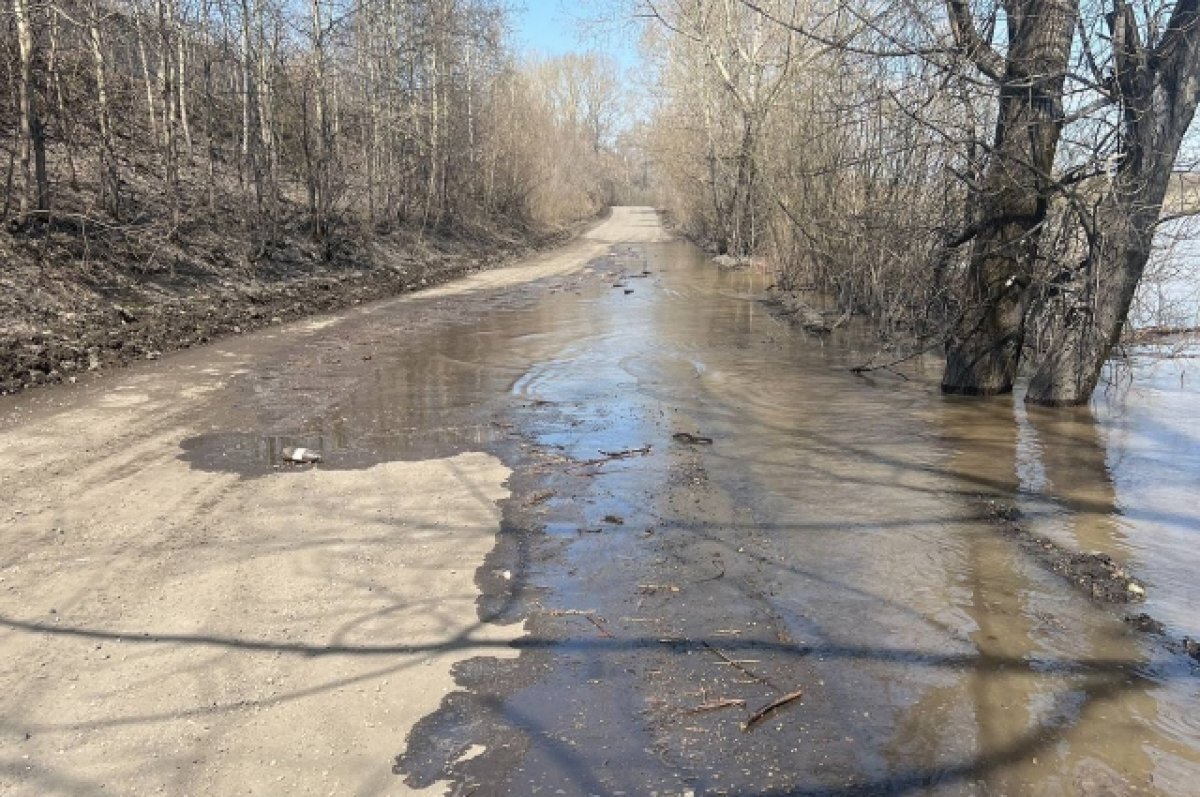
x=333 y=115
x=985 y=175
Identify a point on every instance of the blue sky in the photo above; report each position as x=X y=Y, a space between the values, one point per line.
x=553 y=27
x=544 y=27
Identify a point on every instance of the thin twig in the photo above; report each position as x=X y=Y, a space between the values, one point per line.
x=717 y=704
x=741 y=667
x=762 y=713
x=867 y=367
x=608 y=456
x=599 y=626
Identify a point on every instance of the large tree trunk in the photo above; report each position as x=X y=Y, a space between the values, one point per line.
x=181 y=82
x=432 y=214
x=1088 y=313
x=251 y=140
x=1086 y=317
x=66 y=124
x=210 y=136
x=267 y=161
x=984 y=350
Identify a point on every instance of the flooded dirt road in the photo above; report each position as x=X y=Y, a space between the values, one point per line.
x=576 y=526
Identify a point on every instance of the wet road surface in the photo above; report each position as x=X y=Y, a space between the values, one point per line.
x=831 y=540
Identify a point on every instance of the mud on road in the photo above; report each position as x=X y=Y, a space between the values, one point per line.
x=576 y=524
x=181 y=612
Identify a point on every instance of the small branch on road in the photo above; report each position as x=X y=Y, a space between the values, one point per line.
x=608 y=456
x=740 y=666
x=762 y=713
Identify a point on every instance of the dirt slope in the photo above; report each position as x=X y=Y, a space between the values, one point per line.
x=84 y=313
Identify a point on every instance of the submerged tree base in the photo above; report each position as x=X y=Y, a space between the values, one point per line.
x=974 y=367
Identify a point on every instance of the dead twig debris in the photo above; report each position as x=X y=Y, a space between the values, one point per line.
x=587 y=614
x=608 y=456
x=716 y=704
x=740 y=666
x=692 y=439
x=890 y=365
x=628 y=452
x=1096 y=574
x=1145 y=623
x=599 y=626
x=762 y=713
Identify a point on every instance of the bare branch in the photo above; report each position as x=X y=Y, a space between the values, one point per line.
x=970 y=43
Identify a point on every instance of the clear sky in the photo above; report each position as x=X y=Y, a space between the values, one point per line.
x=554 y=27
x=543 y=26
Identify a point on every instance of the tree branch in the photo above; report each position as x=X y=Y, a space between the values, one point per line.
x=970 y=43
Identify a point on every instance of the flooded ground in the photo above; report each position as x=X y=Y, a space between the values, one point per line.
x=829 y=540
x=709 y=513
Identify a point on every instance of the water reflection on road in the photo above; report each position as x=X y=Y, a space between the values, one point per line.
x=1122 y=477
x=832 y=538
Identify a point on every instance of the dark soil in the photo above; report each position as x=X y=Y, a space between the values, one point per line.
x=1145 y=623
x=1095 y=574
x=69 y=306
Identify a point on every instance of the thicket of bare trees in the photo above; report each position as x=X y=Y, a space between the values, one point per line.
x=331 y=118
x=966 y=171
x=826 y=158
x=985 y=173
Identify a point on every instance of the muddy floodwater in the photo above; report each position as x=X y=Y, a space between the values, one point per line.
x=832 y=539
x=710 y=514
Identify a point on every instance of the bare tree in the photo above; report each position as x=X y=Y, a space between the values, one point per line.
x=35 y=184
x=884 y=177
x=348 y=120
x=110 y=181
x=1153 y=83
x=984 y=350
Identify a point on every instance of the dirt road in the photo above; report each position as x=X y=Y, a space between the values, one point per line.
x=578 y=522
x=169 y=628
